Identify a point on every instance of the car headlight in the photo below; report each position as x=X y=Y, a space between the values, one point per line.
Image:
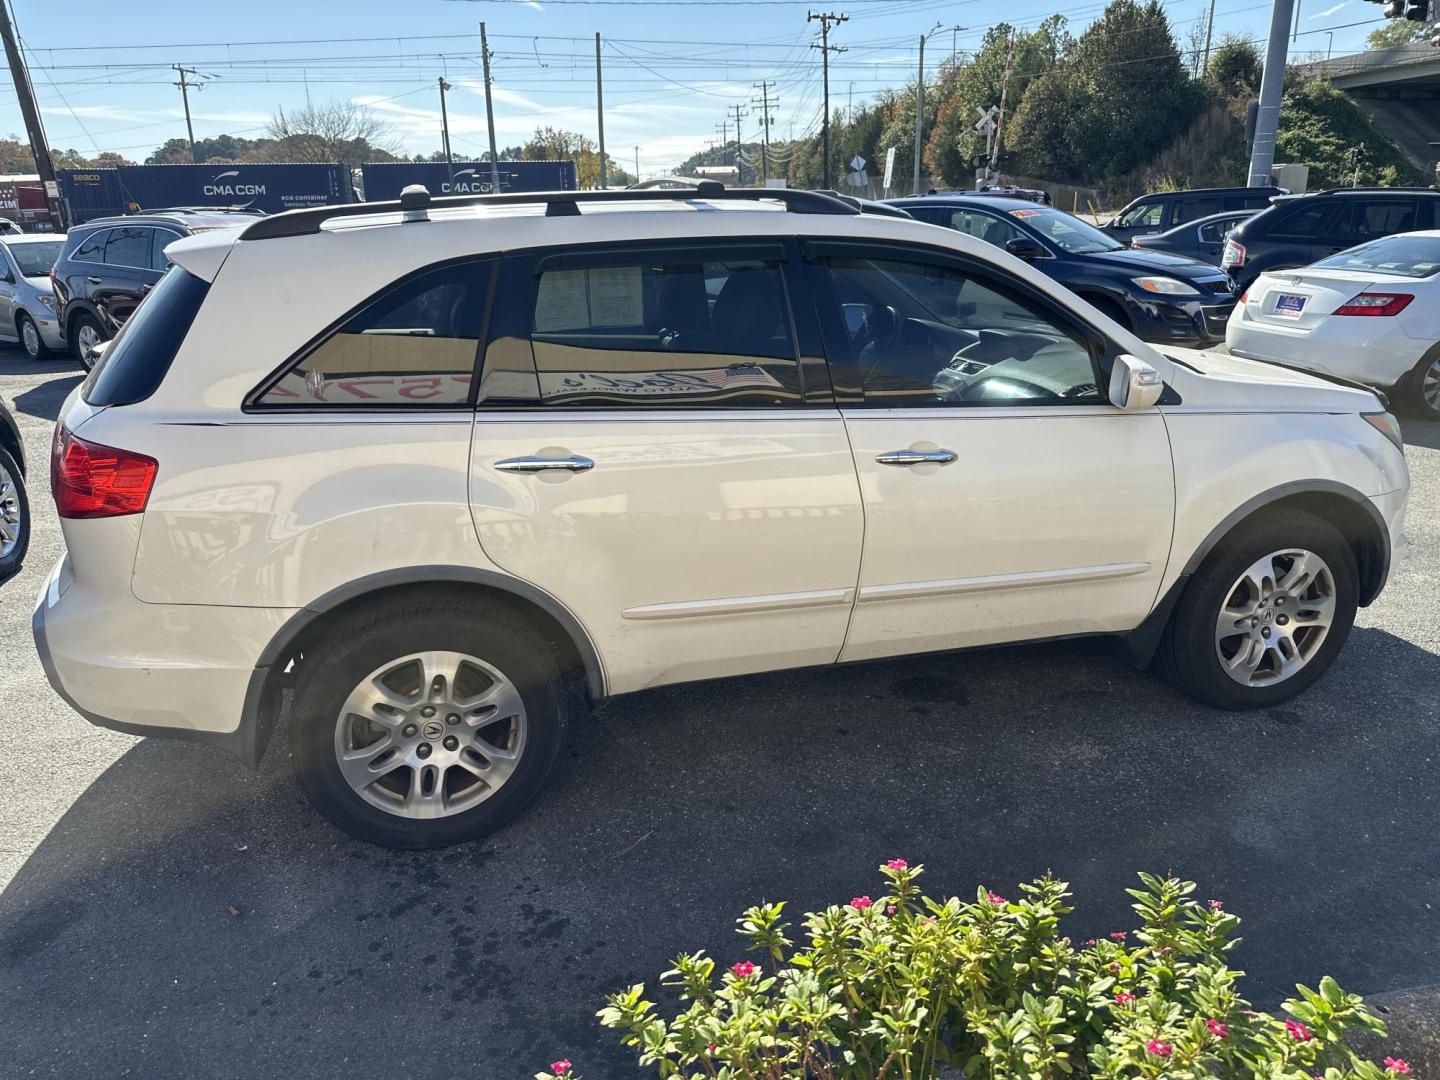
x=1167 y=286
x=48 y=301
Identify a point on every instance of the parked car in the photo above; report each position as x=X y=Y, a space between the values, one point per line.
x=1008 y=191
x=1161 y=297
x=109 y=264
x=10 y=228
x=1371 y=314
x=1300 y=230
x=1162 y=210
x=1202 y=240
x=14 y=505
x=27 y=300
x=446 y=468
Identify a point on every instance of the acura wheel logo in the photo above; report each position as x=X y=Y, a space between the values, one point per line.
x=433 y=729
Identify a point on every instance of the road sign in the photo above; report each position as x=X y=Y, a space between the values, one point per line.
x=858 y=163
x=987 y=119
x=857 y=179
x=889 y=166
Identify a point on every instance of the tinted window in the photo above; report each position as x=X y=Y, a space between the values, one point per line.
x=141 y=353
x=925 y=334
x=1145 y=215
x=1362 y=221
x=985 y=227
x=35 y=260
x=157 y=248
x=1198 y=206
x=413 y=346
x=129 y=246
x=1402 y=256
x=92 y=248
x=1301 y=222
x=665 y=331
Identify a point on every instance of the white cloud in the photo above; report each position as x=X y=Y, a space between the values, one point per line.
x=1328 y=11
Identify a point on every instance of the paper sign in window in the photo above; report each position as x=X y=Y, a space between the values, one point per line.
x=616 y=296
x=562 y=303
x=579 y=299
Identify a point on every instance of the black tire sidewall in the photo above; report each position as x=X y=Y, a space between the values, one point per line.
x=10 y=564
x=1192 y=658
x=83 y=319
x=1414 y=395
x=21 y=323
x=331 y=673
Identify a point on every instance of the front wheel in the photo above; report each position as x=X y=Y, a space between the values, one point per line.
x=30 y=339
x=14 y=516
x=1424 y=387
x=1265 y=614
x=423 y=723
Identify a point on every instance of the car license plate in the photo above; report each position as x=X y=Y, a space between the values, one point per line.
x=1289 y=306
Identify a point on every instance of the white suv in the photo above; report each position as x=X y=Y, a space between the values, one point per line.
x=446 y=467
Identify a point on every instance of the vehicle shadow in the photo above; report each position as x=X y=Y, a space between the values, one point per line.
x=673 y=810
x=1420 y=432
x=44 y=400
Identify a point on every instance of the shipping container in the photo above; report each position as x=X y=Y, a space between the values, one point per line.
x=92 y=193
x=385 y=181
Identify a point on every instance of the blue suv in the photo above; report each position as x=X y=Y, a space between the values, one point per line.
x=1161 y=297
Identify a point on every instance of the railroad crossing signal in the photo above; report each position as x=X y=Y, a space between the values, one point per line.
x=987 y=119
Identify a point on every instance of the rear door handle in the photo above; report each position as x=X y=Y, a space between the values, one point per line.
x=916 y=457
x=94 y=280
x=574 y=463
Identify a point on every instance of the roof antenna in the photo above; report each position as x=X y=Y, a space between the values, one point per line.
x=415 y=203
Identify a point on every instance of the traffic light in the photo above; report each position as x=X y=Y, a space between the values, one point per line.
x=1394 y=9
x=1417 y=10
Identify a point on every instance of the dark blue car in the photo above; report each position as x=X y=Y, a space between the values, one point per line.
x=1161 y=297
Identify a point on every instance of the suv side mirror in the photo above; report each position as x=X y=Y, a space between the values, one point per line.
x=1022 y=247
x=1134 y=384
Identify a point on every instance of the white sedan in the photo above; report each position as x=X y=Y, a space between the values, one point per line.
x=1371 y=314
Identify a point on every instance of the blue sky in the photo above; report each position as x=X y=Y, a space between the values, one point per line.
x=671 y=70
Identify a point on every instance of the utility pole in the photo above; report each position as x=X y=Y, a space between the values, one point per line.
x=184 y=86
x=1272 y=83
x=600 y=109
x=39 y=146
x=445 y=131
x=738 y=178
x=826 y=20
x=637 y=164
x=765 y=121
x=1209 y=30
x=489 y=113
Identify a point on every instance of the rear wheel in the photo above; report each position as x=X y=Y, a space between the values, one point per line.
x=1423 y=391
x=86 y=334
x=1265 y=614
x=14 y=516
x=422 y=723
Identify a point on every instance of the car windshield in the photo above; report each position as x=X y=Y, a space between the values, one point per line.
x=1064 y=231
x=35 y=260
x=1402 y=256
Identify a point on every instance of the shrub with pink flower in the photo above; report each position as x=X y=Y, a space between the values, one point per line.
x=561 y=1067
x=897 y=864
x=1158 y=1048
x=1219 y=1030
x=1298 y=1031
x=1124 y=997
x=997 y=899
x=860 y=903
x=1117 y=935
x=743 y=970
x=1398 y=1066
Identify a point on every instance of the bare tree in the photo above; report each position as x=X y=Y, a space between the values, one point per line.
x=339 y=130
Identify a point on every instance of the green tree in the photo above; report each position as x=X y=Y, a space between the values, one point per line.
x=1319 y=125
x=1393 y=32
x=1235 y=68
x=1044 y=136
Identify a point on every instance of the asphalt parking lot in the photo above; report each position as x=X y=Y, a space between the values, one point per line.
x=672 y=810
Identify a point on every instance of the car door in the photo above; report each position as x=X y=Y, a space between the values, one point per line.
x=1210 y=239
x=127 y=276
x=1369 y=219
x=10 y=279
x=1005 y=498
x=656 y=447
x=159 y=238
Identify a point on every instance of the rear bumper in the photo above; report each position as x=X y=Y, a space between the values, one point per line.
x=1350 y=348
x=180 y=671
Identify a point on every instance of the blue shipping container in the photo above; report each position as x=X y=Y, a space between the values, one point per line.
x=385 y=181
x=91 y=193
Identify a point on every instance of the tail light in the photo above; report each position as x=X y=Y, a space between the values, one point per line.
x=93 y=481
x=1375 y=303
x=1243 y=295
x=1234 y=254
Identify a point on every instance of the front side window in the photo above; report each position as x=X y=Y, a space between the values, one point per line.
x=1376 y=219
x=985 y=227
x=158 y=261
x=664 y=331
x=1198 y=207
x=92 y=248
x=1146 y=215
x=129 y=246
x=919 y=334
x=414 y=346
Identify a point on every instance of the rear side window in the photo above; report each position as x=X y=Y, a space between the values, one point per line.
x=670 y=330
x=140 y=355
x=1362 y=221
x=414 y=346
x=1301 y=222
x=92 y=248
x=129 y=246
x=1198 y=207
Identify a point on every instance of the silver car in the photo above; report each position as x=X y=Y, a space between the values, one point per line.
x=27 y=302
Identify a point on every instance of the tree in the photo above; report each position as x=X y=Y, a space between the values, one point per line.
x=1395 y=32
x=1235 y=68
x=338 y=131
x=1319 y=125
x=1044 y=132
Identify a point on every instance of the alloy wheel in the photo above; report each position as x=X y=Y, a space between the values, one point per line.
x=88 y=338
x=430 y=734
x=1275 y=617
x=1430 y=386
x=12 y=524
x=30 y=338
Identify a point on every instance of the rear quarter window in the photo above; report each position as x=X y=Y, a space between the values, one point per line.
x=139 y=356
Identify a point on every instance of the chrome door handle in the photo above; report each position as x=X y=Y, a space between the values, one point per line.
x=916 y=457
x=574 y=463
x=93 y=280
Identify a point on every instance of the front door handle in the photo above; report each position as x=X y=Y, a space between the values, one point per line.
x=94 y=280
x=574 y=463
x=916 y=457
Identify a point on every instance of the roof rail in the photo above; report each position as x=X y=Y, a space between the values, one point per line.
x=1376 y=187
x=416 y=201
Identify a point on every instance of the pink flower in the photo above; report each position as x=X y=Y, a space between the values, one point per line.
x=710 y=1048
x=889 y=909
x=860 y=903
x=1115 y=967
x=561 y=1067
x=1216 y=905
x=1124 y=997
x=1399 y=1066
x=1158 y=1048
x=1117 y=935
x=998 y=900
x=1219 y=1030
x=897 y=864
x=1298 y=1031
x=743 y=970
x=1089 y=941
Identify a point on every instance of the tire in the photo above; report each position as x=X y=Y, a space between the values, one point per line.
x=1194 y=657
x=1421 y=392
x=78 y=327
x=371 y=646
x=30 y=339
x=14 y=516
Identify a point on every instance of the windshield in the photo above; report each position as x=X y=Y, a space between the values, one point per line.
x=1402 y=256
x=35 y=260
x=1066 y=232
